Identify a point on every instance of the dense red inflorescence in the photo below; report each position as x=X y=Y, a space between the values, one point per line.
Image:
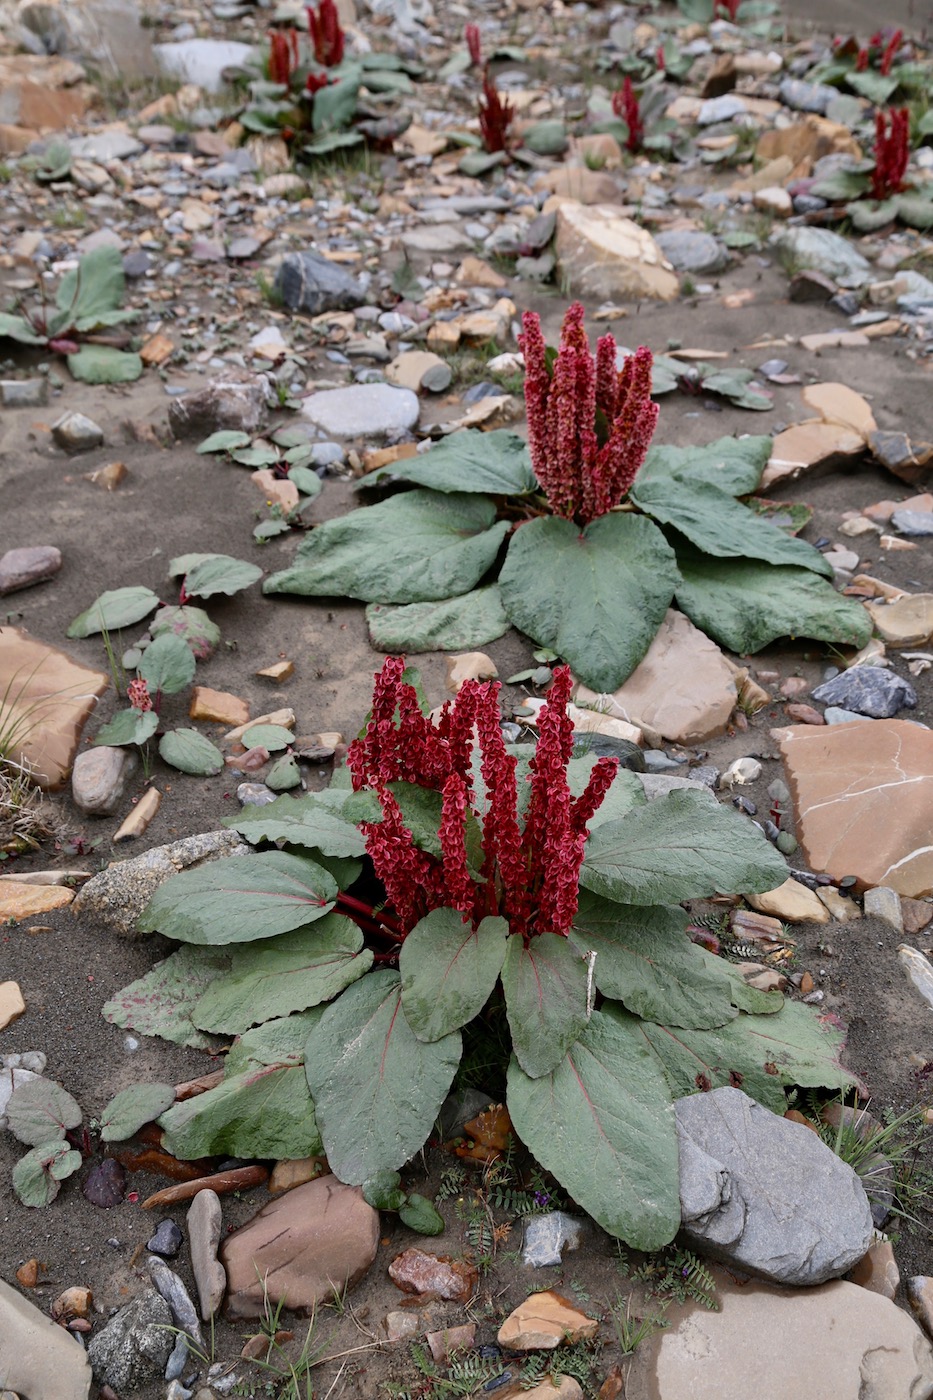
x=283 y=55
x=582 y=476
x=327 y=37
x=529 y=874
x=137 y=692
x=496 y=115
x=892 y=152
x=626 y=105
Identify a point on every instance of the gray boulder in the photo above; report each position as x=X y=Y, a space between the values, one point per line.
x=868 y=690
x=766 y=1194
x=135 y=1345
x=307 y=282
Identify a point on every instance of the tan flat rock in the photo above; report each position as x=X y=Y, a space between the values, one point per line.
x=837 y=403
x=473 y=272
x=791 y=901
x=811 y=139
x=774 y=173
x=278 y=492
x=904 y=621
x=19 y=900
x=218 y=706
x=581 y=183
x=610 y=257
x=807 y=445
x=45 y=700
x=835 y=340
x=469 y=666
x=543 y=1322
x=12 y=1004
x=833 y=1342
x=862 y=800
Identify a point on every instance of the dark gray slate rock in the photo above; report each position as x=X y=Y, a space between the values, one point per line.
x=307 y=282
x=167 y=1240
x=135 y=1345
x=766 y=1194
x=692 y=250
x=868 y=690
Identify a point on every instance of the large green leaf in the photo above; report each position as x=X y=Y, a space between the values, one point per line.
x=759 y=1054
x=603 y=1123
x=278 y=1042
x=88 y=293
x=717 y=524
x=118 y=607
x=167 y=664
x=37 y=1176
x=102 y=364
x=494 y=464
x=303 y=821
x=595 y=596
x=190 y=751
x=645 y=959
x=449 y=970
x=265 y=1112
x=454 y=624
x=132 y=1108
x=746 y=605
x=128 y=727
x=219 y=573
x=160 y=1002
x=239 y=899
x=335 y=104
x=284 y=974
x=376 y=1087
x=733 y=464
x=679 y=847
x=545 y=999
x=18 y=328
x=877 y=87
x=40 y=1110
x=413 y=548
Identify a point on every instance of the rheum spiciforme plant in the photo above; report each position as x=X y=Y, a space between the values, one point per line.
x=521 y=901
x=892 y=152
x=327 y=36
x=496 y=115
x=625 y=105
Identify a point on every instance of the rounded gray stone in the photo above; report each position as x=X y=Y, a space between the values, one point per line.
x=363 y=410
x=691 y=250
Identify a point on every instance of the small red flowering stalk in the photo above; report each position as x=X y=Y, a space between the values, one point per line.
x=861 y=61
x=583 y=476
x=731 y=8
x=890 y=51
x=892 y=152
x=283 y=55
x=529 y=875
x=137 y=692
x=626 y=105
x=496 y=115
x=327 y=37
x=474 y=44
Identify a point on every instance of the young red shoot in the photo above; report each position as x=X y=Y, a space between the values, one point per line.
x=890 y=52
x=327 y=37
x=283 y=55
x=892 y=152
x=474 y=44
x=626 y=105
x=496 y=115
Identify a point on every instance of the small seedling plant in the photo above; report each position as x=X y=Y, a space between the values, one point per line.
x=447 y=884
x=593 y=536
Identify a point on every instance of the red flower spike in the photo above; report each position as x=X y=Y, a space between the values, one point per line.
x=581 y=477
x=496 y=115
x=626 y=105
x=283 y=56
x=890 y=52
x=327 y=37
x=861 y=62
x=137 y=692
x=660 y=64
x=892 y=152
x=453 y=845
x=474 y=44
x=731 y=8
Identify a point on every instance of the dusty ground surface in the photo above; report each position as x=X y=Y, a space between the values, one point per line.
x=174 y=501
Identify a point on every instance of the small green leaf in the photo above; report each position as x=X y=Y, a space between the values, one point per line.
x=119 y=607
x=167 y=664
x=384 y=1191
x=545 y=998
x=239 y=899
x=477 y=163
x=37 y=1176
x=268 y=736
x=377 y=1088
x=335 y=104
x=128 y=727
x=419 y=1214
x=307 y=481
x=218 y=573
x=40 y=1111
x=133 y=1108
x=190 y=752
x=546 y=138
x=224 y=441
x=102 y=364
x=449 y=970
x=455 y=624
x=268 y=529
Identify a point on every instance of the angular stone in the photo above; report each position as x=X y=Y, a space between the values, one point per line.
x=913 y=522
x=38 y=1358
x=884 y=904
x=868 y=690
x=916 y=914
x=692 y=250
x=548 y=1236
x=363 y=410
x=205 y=1225
x=218 y=706
x=19 y=900
x=75 y=432
x=21 y=568
x=436 y=238
x=543 y=1322
x=774 y=199
x=313 y=284
x=609 y=257
x=419 y=369
x=301 y=1248
x=808 y=140
x=132 y=1349
x=904 y=621
x=451 y=1339
x=167 y=1240
x=12 y=1004
x=201 y=62
x=845 y=1344
x=792 y=902
x=417 y=1271
x=119 y=894
x=764 y=1194
x=823 y=250
x=238 y=403
x=920 y=1295
x=877 y=1270
x=99 y=777
x=583 y=185
x=473 y=272
x=808 y=445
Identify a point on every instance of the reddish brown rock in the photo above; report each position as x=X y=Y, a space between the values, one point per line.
x=916 y=914
x=21 y=568
x=862 y=798
x=45 y=699
x=804 y=714
x=877 y=1270
x=300 y=1249
x=543 y=1321
x=449 y=1340
x=416 y=1271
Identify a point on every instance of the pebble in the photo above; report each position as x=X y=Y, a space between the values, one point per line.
x=171 y=1288
x=693 y=251
x=133 y=1348
x=868 y=690
x=913 y=522
x=205 y=1225
x=167 y=1240
x=254 y=795
x=75 y=432
x=918 y=969
x=12 y=1004
x=310 y=283
x=884 y=904
x=416 y=1271
x=806 y=97
x=837 y=714
x=99 y=778
x=721 y=109
x=28 y=565
x=547 y=1236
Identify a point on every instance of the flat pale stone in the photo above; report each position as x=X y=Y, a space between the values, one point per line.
x=205 y=1225
x=21 y=901
x=543 y=1322
x=792 y=902
x=833 y=1342
x=217 y=705
x=835 y=340
x=774 y=199
x=837 y=403
x=905 y=621
x=473 y=272
x=608 y=256
x=362 y=410
x=408 y=371
x=862 y=799
x=12 y=1004
x=48 y=698
x=655 y=695
x=37 y=1357
x=808 y=445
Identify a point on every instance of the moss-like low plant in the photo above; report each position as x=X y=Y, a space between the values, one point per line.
x=448 y=886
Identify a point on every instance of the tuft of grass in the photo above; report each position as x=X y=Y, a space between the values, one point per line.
x=269 y=290
x=69 y=216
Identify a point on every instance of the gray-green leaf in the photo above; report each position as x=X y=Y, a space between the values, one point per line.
x=167 y=664
x=449 y=970
x=132 y=1108
x=118 y=607
x=190 y=752
x=128 y=727
x=41 y=1111
x=454 y=624
x=37 y=1177
x=545 y=998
